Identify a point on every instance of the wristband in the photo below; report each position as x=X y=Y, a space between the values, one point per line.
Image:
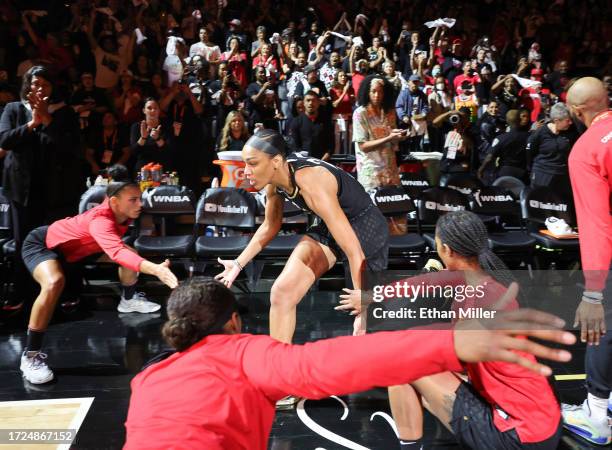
x=237 y=264
x=592 y=301
x=595 y=295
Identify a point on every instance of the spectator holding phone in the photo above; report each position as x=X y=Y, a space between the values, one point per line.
x=377 y=139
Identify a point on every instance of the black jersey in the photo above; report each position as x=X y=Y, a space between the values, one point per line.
x=352 y=196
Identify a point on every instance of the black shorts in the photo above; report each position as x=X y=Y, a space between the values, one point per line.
x=371 y=229
x=472 y=424
x=34 y=251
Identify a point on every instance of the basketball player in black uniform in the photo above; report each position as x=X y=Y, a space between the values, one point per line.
x=348 y=225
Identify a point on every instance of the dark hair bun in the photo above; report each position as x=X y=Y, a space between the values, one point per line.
x=181 y=333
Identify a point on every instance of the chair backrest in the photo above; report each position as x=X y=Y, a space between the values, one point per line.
x=392 y=200
x=511 y=184
x=227 y=207
x=414 y=183
x=92 y=197
x=437 y=201
x=540 y=203
x=463 y=182
x=494 y=201
x=6 y=221
x=168 y=200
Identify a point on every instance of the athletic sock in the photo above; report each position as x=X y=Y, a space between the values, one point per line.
x=128 y=291
x=406 y=444
x=34 y=340
x=598 y=407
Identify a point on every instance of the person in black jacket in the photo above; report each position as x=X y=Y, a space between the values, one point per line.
x=548 y=150
x=312 y=131
x=489 y=126
x=148 y=138
x=41 y=176
x=509 y=148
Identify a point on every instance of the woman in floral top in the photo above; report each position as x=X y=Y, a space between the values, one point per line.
x=377 y=138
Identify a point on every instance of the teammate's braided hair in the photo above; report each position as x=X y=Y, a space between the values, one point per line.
x=197 y=308
x=466 y=234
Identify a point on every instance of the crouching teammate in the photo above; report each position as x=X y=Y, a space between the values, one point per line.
x=94 y=234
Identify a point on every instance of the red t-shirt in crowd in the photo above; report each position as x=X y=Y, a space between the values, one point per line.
x=237 y=65
x=461 y=78
x=92 y=232
x=220 y=394
x=346 y=104
x=356 y=80
x=590 y=169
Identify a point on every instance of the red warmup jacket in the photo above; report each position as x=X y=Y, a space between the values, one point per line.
x=590 y=169
x=92 y=232
x=220 y=394
x=519 y=398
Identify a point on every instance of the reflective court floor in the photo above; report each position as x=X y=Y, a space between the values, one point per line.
x=95 y=351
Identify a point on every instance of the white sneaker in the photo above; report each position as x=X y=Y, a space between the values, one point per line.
x=34 y=368
x=578 y=420
x=558 y=227
x=138 y=303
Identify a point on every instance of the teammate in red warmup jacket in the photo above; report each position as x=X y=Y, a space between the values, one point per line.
x=94 y=234
x=501 y=406
x=218 y=392
x=590 y=169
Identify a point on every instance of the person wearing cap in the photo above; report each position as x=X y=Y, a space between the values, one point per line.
x=412 y=108
x=217 y=390
x=94 y=235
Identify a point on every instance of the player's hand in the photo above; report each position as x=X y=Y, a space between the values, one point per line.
x=230 y=272
x=350 y=301
x=592 y=322
x=165 y=275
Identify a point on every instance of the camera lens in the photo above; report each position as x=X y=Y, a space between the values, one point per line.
x=454 y=119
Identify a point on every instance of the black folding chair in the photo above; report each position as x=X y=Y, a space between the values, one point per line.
x=539 y=204
x=436 y=202
x=395 y=201
x=508 y=237
x=168 y=204
x=232 y=213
